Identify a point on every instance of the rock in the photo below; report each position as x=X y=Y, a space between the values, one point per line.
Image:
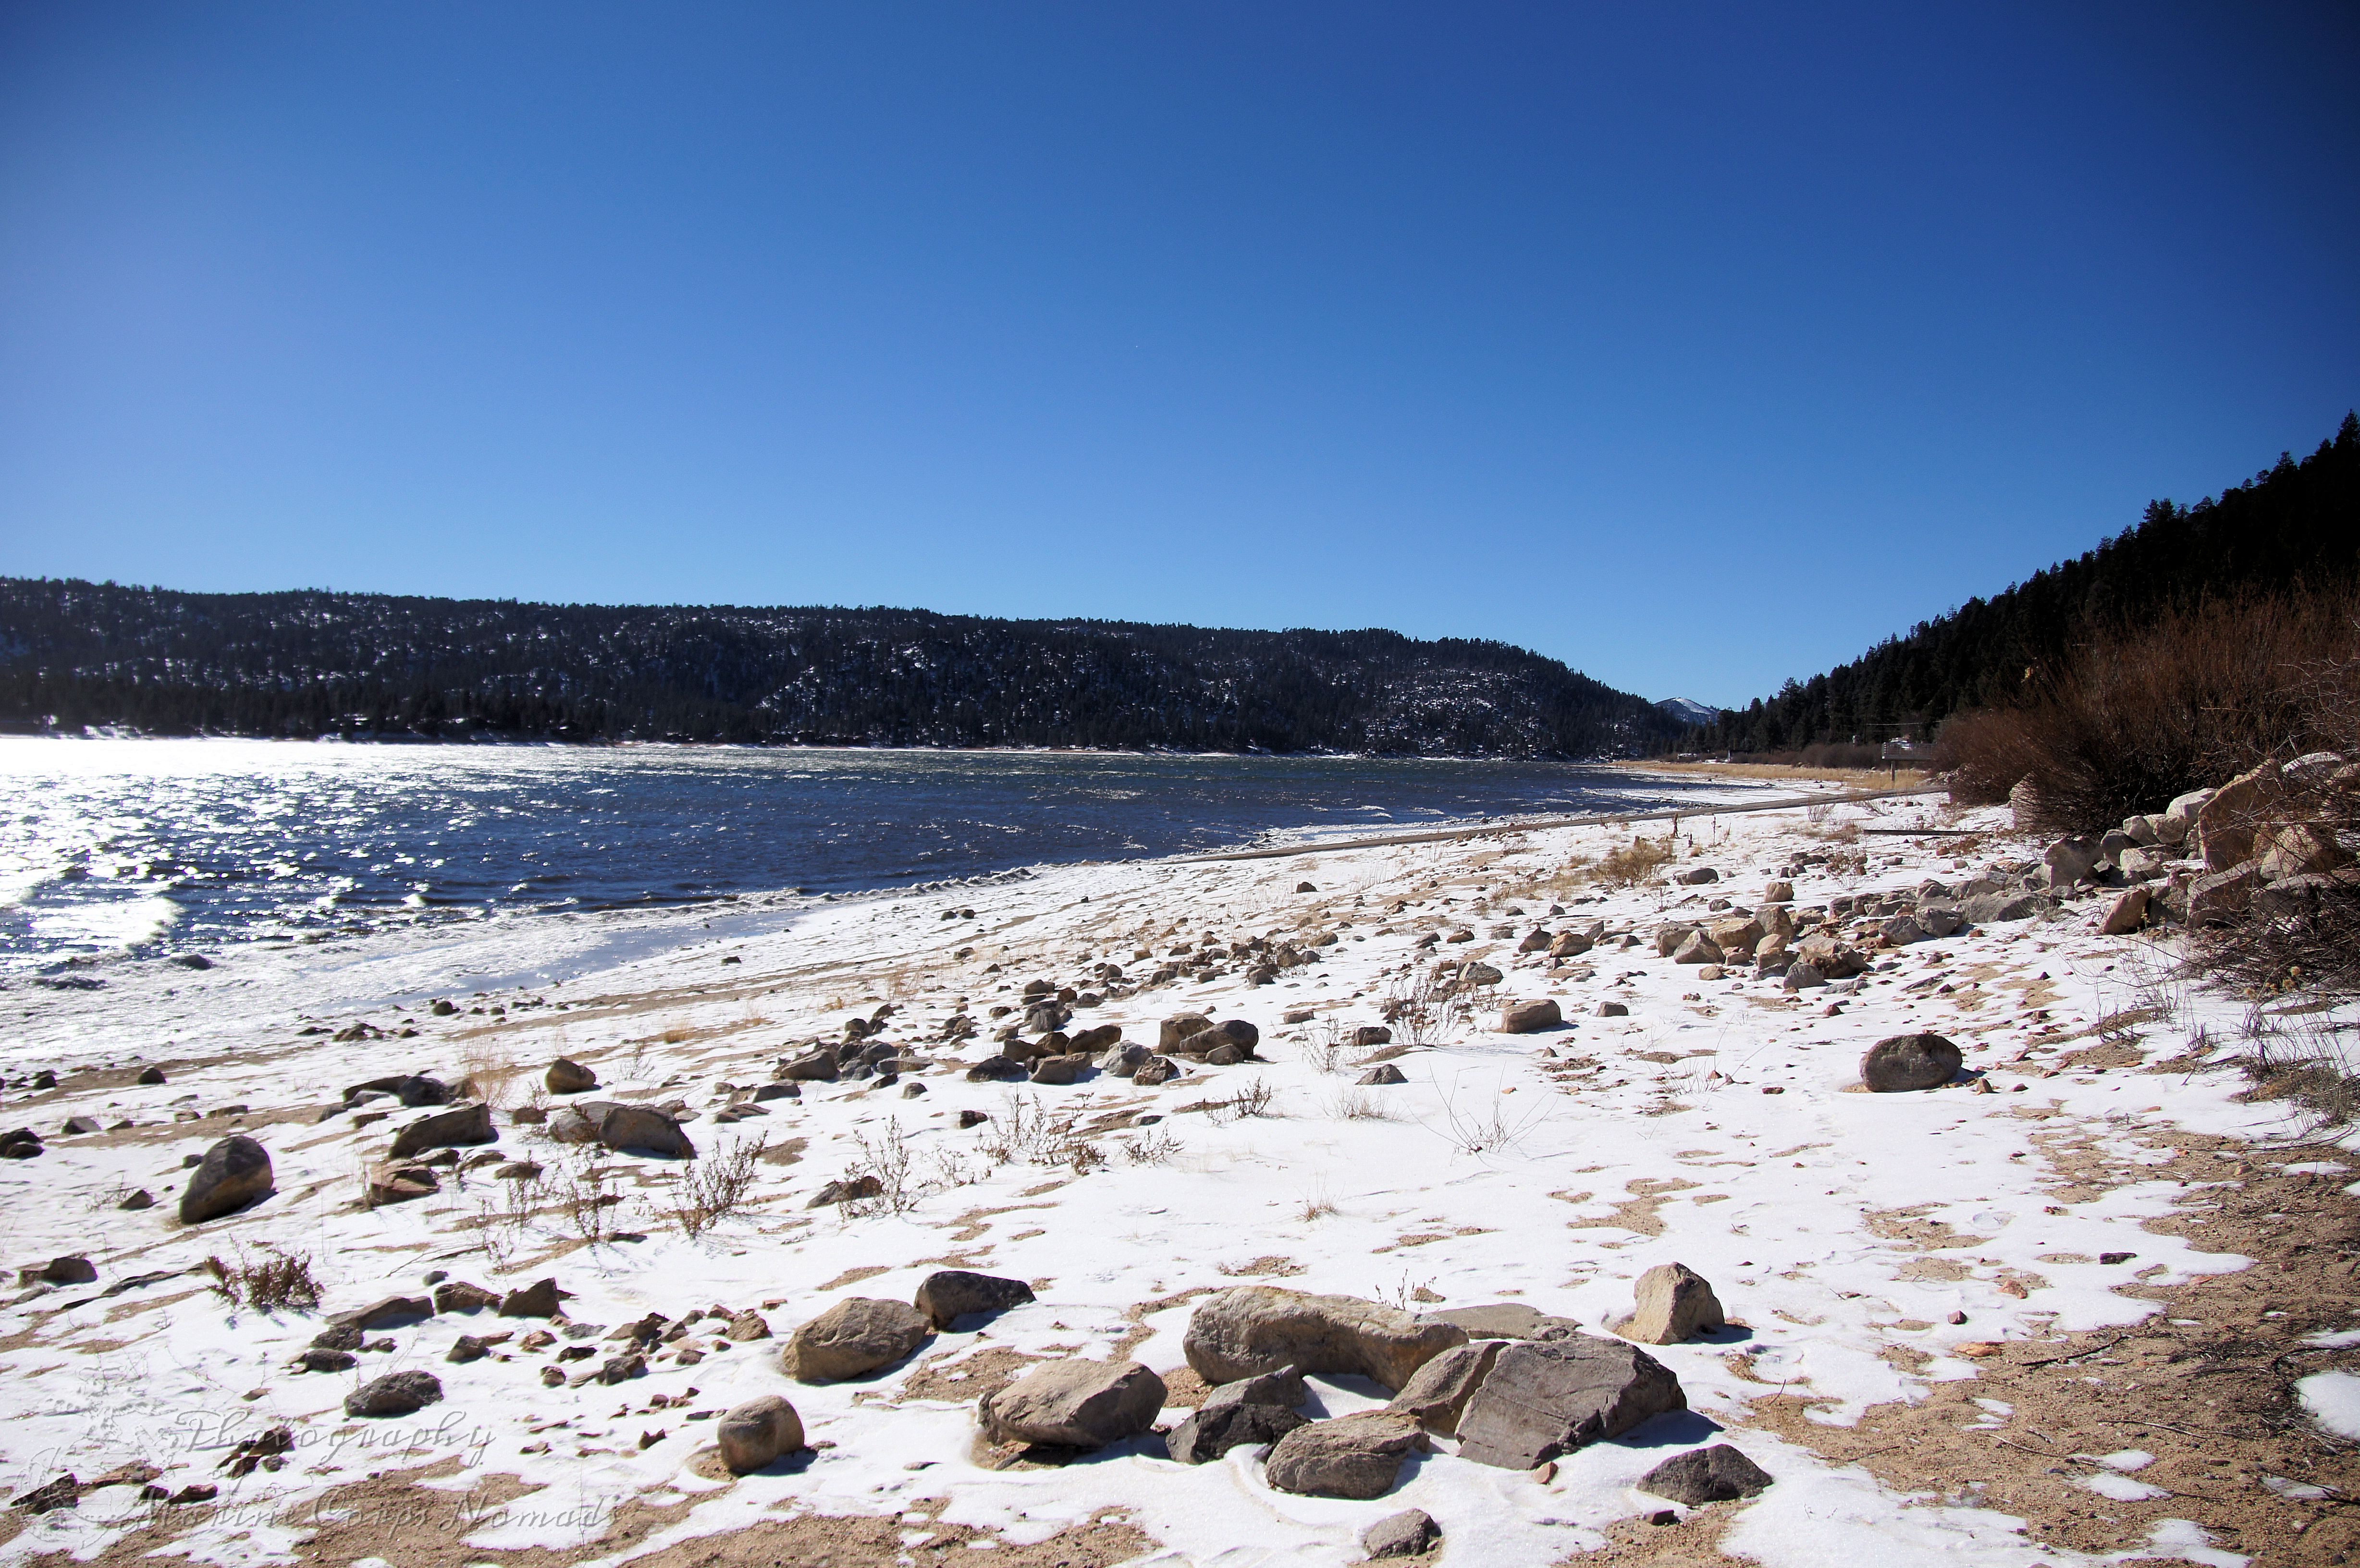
x=2225 y=824
x=1696 y=876
x=140 y=1198
x=72 y=1268
x=2179 y=820
x=1368 y=1037
x=1779 y=892
x=1612 y=1010
x=1410 y=1533
x=1155 y=1070
x=846 y=1191
x=1570 y=944
x=756 y=1433
x=458 y=1296
x=1940 y=920
x=537 y=1300
x=1059 y=1070
x=1535 y=940
x=1283 y=1388
x=1260 y=1328
x=1352 y=1456
x=1305 y=887
x=854 y=1337
x=1103 y=1037
x=2143 y=864
x=1530 y=1017
x=1235 y=1033
x=1802 y=975
x=2126 y=914
x=1382 y=1072
x=2298 y=849
x=65 y=1492
x=1179 y=1026
x=1986 y=909
x=2139 y=830
x=1717 y=1475
x=1216 y=1429
x=1736 y=938
x=817 y=1066
x=469 y=1347
x=387 y=1312
x=1438 y=1391
x=997 y=1070
x=1074 y=1403
x=462 y=1125
x=1907 y=1062
x=318 y=1358
x=151 y=1076
x=573 y=1124
x=623 y=1368
x=234 y=1172
x=395 y=1394
x=1675 y=1304
x=2219 y=897
x=399 y=1182
x=645 y=1128
x=338 y=1336
x=1669 y=937
x=567 y=1076
x=2069 y=859
x=528 y=1116
x=953 y=1294
x=1544 y=1399
x=413 y=1090
x=1698 y=948
x=1507 y=1319
x=22 y=1144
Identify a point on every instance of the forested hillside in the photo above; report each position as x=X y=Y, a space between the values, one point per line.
x=2295 y=522
x=369 y=666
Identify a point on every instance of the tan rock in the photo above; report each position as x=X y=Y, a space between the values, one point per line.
x=1675 y=1304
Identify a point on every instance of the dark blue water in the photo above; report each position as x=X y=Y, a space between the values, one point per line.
x=108 y=846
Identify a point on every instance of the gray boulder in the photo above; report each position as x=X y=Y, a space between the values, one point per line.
x=1179 y=1026
x=234 y=1172
x=458 y=1126
x=1410 y=1533
x=387 y=1312
x=1154 y=1070
x=997 y=1070
x=1987 y=909
x=1696 y=877
x=756 y=1433
x=1382 y=1072
x=1717 y=1475
x=1260 y=1328
x=1074 y=1403
x=395 y=1394
x=1283 y=1388
x=1216 y=1429
x=1507 y=1319
x=647 y=1128
x=1544 y=1399
x=1352 y=1456
x=537 y=1300
x=853 y=1339
x=1907 y=1062
x=1438 y=1392
x=1675 y=1304
x=951 y=1294
x=2071 y=859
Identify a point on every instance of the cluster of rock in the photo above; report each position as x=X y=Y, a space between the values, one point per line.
x=1057 y=1058
x=2268 y=844
x=1261 y=959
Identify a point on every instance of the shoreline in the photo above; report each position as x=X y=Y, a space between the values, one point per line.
x=1715 y=1122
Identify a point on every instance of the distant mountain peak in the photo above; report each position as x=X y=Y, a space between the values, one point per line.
x=1688 y=711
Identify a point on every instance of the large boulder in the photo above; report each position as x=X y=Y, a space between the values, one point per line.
x=1438 y=1391
x=234 y=1172
x=2226 y=824
x=573 y=1124
x=1570 y=944
x=1074 y=1403
x=950 y=1294
x=2218 y=898
x=1736 y=936
x=1179 y=1026
x=395 y=1394
x=1674 y=1303
x=1235 y=1032
x=1542 y=1399
x=1507 y=1319
x=1352 y=1456
x=387 y=1312
x=756 y=1433
x=1283 y=1388
x=1530 y=1017
x=854 y=1337
x=1989 y=908
x=458 y=1126
x=1260 y=1328
x=537 y=1300
x=567 y=1076
x=2127 y=913
x=1832 y=958
x=2298 y=849
x=1907 y=1062
x=2177 y=820
x=1717 y=1475
x=2069 y=859
x=1216 y=1429
x=1696 y=948
x=645 y=1128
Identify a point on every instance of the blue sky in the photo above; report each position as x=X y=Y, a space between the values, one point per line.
x=1700 y=348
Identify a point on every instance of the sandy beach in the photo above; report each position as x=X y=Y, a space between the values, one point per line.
x=2027 y=1316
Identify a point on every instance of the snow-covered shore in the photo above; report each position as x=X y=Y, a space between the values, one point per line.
x=1870 y=1249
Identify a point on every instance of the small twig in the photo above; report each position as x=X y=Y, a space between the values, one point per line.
x=2077 y=1356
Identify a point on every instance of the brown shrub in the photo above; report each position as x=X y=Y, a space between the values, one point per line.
x=2190 y=700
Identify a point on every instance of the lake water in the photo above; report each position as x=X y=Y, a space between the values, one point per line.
x=156 y=845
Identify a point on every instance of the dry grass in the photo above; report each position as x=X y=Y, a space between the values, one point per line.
x=487 y=1073
x=1637 y=861
x=266 y=1281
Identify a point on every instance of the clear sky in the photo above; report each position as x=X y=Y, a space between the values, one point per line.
x=1699 y=347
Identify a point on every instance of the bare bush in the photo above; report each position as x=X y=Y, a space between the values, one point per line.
x=1251 y=1100
x=586 y=1201
x=1483 y=1129
x=2315 y=1068
x=267 y=1280
x=1423 y=1006
x=1027 y=1132
x=887 y=1158
x=1157 y=1148
x=1637 y=861
x=715 y=1186
x=1359 y=1106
